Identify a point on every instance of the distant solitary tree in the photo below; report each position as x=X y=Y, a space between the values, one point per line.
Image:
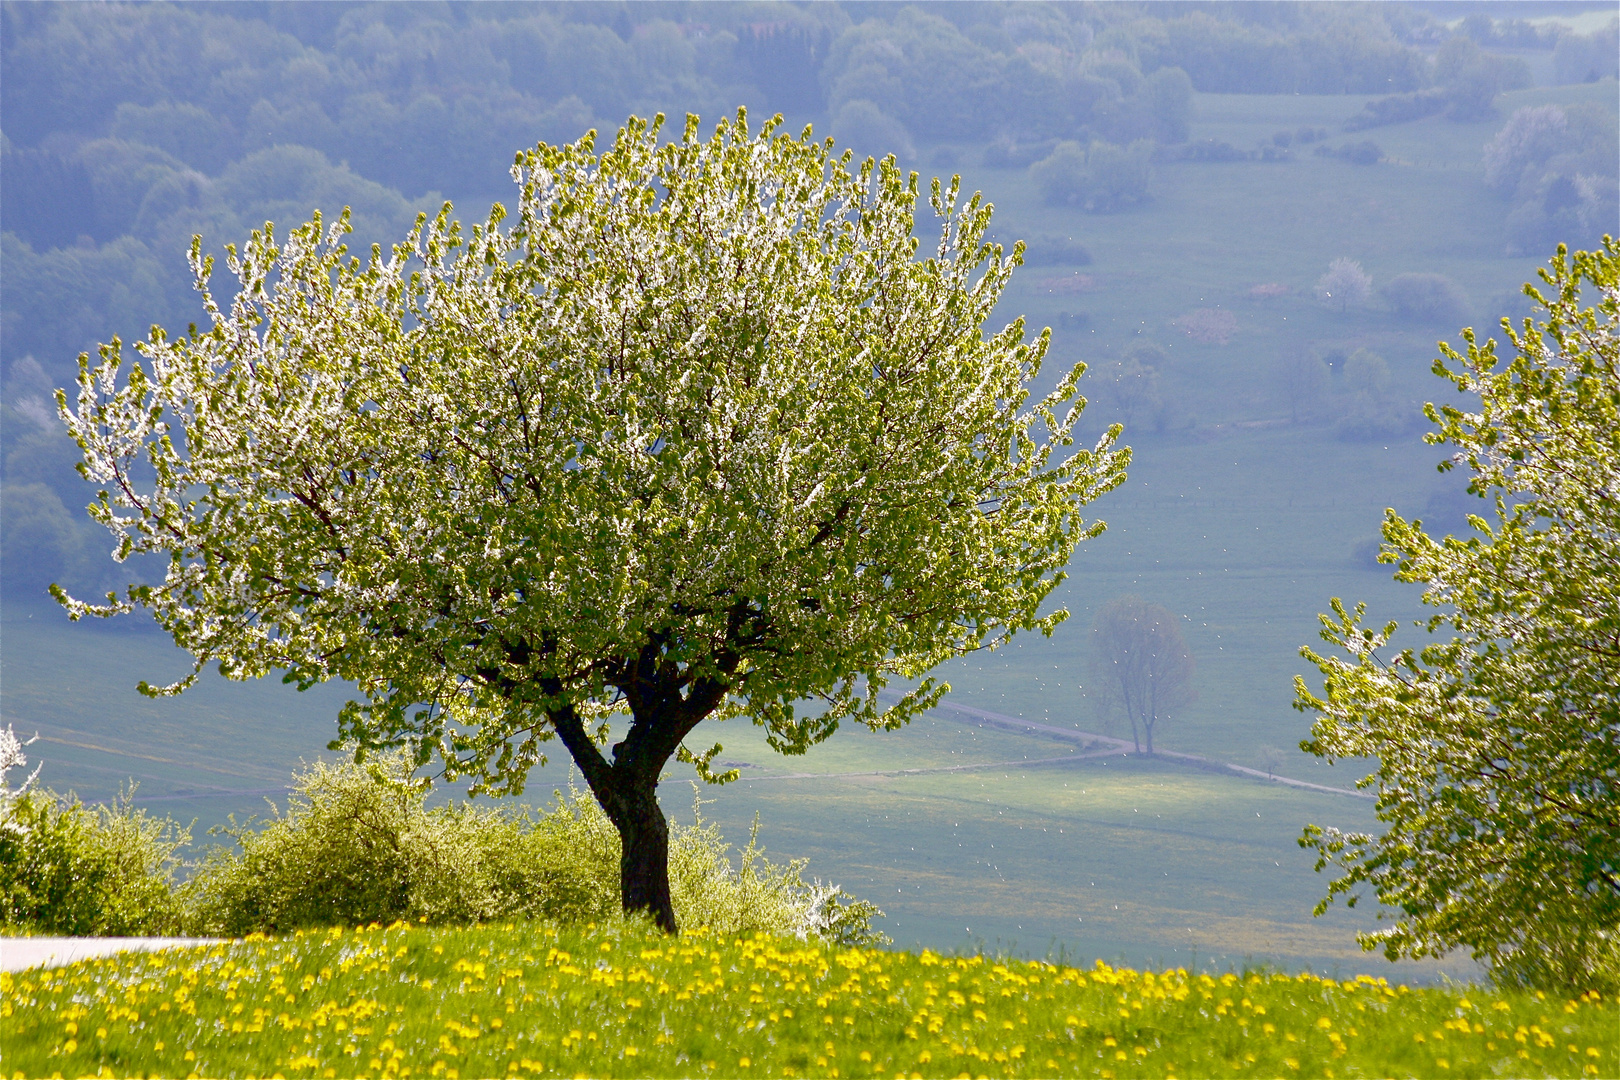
x=1170 y=91
x=1345 y=283
x=1100 y=177
x=1427 y=298
x=1141 y=664
x=1302 y=379
x=1366 y=377
x=1132 y=388
x=696 y=434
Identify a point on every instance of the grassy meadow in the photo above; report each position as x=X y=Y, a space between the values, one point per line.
x=533 y=1000
x=1242 y=521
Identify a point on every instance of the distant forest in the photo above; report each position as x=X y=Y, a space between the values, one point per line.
x=127 y=128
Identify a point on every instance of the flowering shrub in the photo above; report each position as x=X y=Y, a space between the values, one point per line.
x=1208 y=326
x=625 y=1000
x=358 y=844
x=70 y=869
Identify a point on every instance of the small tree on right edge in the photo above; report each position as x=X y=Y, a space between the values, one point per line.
x=1496 y=748
x=1141 y=664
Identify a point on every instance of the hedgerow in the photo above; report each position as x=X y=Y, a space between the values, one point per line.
x=358 y=843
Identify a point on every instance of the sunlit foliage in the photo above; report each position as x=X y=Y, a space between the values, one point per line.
x=701 y=433
x=1498 y=748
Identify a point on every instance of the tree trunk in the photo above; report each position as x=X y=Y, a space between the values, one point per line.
x=643 y=850
x=1130 y=713
x=627 y=787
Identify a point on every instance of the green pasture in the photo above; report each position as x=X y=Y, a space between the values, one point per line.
x=534 y=1000
x=1215 y=230
x=1141 y=861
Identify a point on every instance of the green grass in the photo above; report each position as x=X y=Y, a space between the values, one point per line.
x=1144 y=862
x=534 y=1000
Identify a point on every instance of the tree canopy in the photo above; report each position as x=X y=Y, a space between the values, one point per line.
x=1498 y=748
x=1141 y=664
x=696 y=434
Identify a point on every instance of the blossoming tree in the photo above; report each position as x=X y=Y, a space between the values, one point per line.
x=696 y=435
x=1498 y=749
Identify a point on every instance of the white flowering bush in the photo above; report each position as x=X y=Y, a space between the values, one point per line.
x=1531 y=136
x=66 y=868
x=1345 y=285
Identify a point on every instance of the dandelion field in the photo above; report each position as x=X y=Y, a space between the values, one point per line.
x=623 y=1000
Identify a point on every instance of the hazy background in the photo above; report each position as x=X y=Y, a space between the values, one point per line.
x=1184 y=174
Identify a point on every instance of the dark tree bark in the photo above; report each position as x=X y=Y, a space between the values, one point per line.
x=644 y=854
x=627 y=787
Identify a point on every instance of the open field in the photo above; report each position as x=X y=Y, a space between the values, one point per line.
x=1127 y=859
x=533 y=1000
x=1214 y=230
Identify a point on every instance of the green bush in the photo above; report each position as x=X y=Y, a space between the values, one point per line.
x=74 y=870
x=70 y=869
x=1099 y=177
x=358 y=844
x=1427 y=298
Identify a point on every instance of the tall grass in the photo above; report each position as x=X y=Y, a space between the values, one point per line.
x=534 y=999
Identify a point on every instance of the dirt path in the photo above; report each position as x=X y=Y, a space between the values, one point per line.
x=1087 y=740
x=22 y=953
